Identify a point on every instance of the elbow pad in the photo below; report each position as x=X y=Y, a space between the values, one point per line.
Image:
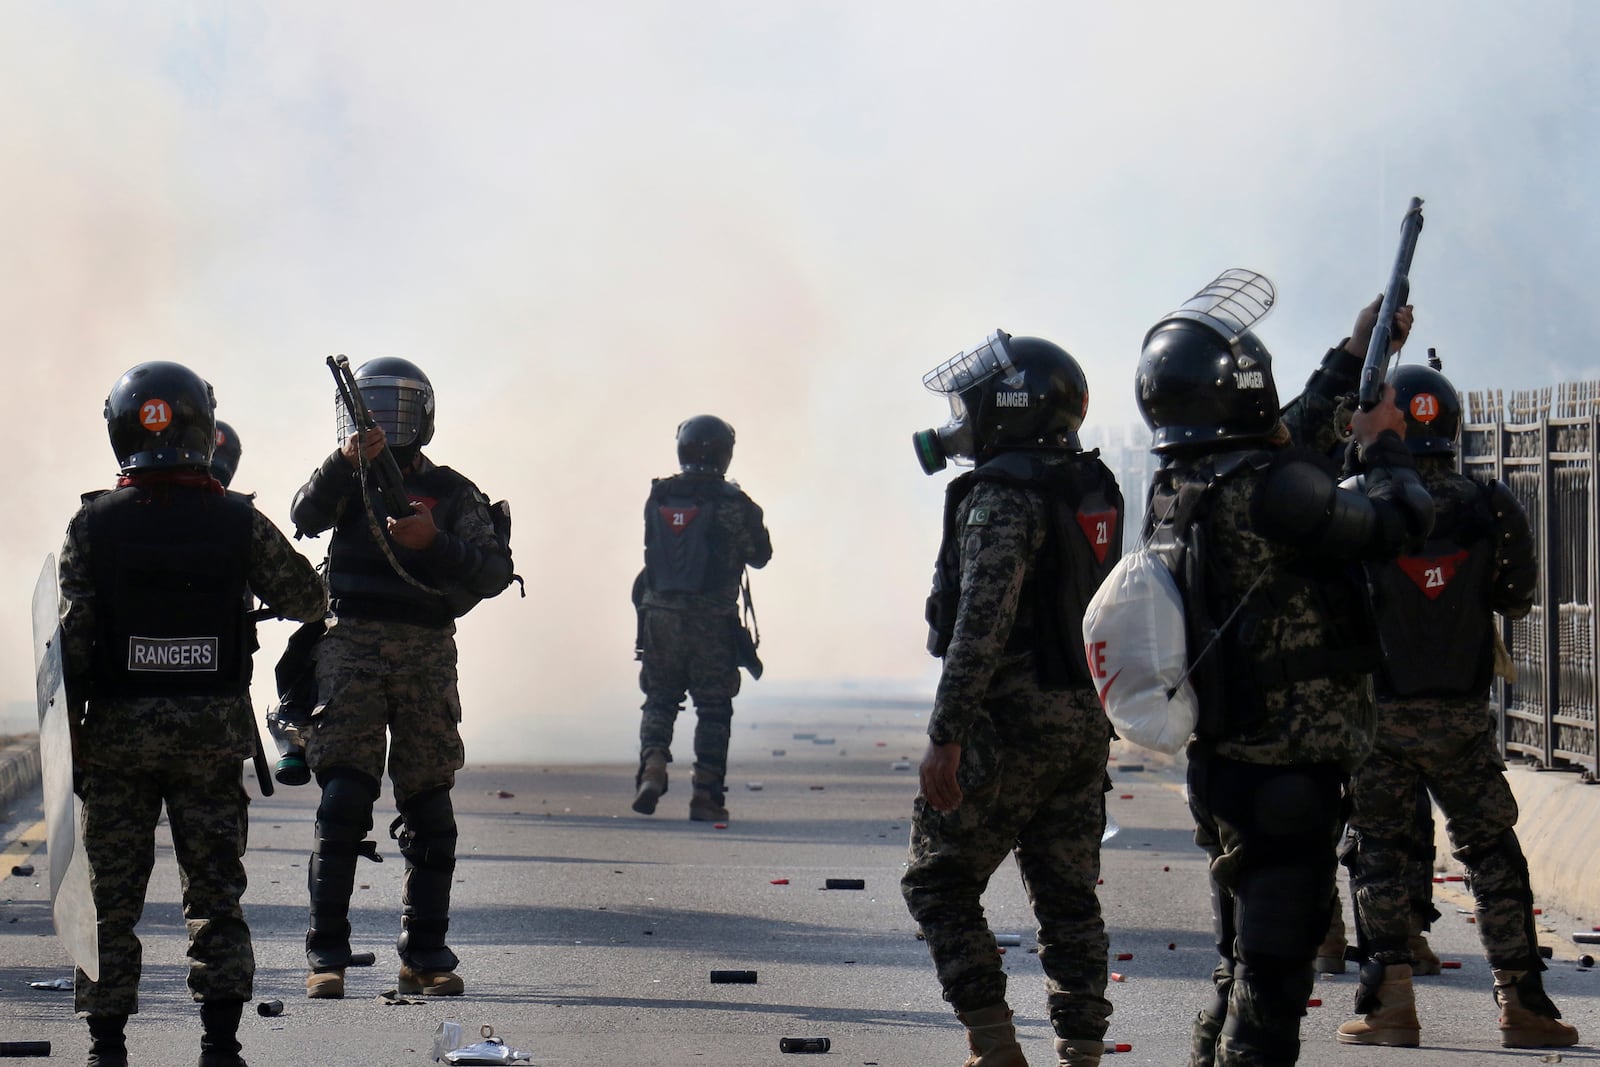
x=1404 y=507
x=1299 y=504
x=484 y=573
x=1339 y=375
x=1516 y=568
x=316 y=505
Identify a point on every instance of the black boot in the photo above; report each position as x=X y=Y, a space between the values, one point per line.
x=343 y=819
x=426 y=831
x=219 y=1044
x=107 y=1045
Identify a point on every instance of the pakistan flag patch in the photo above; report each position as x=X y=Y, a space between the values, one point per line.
x=978 y=517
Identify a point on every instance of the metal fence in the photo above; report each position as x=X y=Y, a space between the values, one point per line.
x=1542 y=444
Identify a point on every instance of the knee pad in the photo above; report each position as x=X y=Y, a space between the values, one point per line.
x=1283 y=911
x=715 y=713
x=345 y=812
x=426 y=830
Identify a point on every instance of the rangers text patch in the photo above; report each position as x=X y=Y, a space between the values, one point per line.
x=172 y=653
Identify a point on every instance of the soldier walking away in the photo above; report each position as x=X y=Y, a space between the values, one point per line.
x=386 y=671
x=1017 y=742
x=157 y=660
x=700 y=532
x=1436 y=614
x=1281 y=643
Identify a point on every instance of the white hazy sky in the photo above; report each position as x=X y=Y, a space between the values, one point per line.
x=590 y=221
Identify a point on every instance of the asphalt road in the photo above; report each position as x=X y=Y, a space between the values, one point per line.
x=588 y=933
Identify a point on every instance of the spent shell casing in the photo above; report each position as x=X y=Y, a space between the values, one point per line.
x=24 y=1049
x=733 y=977
x=804 y=1044
x=269 y=1009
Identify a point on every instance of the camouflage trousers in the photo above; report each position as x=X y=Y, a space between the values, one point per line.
x=387 y=685
x=689 y=653
x=1033 y=775
x=1449 y=747
x=207 y=811
x=1270 y=832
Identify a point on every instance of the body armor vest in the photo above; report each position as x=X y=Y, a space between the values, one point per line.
x=1083 y=540
x=1229 y=667
x=1433 y=613
x=683 y=542
x=362 y=582
x=170 y=569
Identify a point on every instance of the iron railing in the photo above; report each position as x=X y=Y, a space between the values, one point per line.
x=1542 y=444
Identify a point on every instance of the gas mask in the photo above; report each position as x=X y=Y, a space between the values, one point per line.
x=954 y=379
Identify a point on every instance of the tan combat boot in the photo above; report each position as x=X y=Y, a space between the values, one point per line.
x=652 y=781
x=706 y=805
x=1391 y=1009
x=992 y=1038
x=325 y=985
x=1424 y=960
x=1527 y=1017
x=1079 y=1051
x=429 y=983
x=1330 y=957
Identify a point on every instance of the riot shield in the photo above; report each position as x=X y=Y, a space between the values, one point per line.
x=71 y=903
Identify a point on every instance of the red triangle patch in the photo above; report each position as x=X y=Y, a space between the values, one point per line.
x=1432 y=574
x=1099 y=527
x=677 y=519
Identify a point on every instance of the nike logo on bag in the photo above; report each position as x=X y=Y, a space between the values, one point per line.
x=1105 y=689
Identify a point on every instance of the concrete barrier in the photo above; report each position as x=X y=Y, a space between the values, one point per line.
x=19 y=770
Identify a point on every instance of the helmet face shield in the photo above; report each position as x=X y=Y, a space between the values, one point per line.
x=961 y=372
x=403 y=407
x=954 y=379
x=1234 y=302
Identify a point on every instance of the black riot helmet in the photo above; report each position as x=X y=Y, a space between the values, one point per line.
x=705 y=445
x=400 y=398
x=161 y=416
x=225 y=457
x=1204 y=378
x=1432 y=409
x=1010 y=392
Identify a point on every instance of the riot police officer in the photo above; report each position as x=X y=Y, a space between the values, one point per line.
x=225 y=457
x=157 y=654
x=1436 y=615
x=1280 y=635
x=1017 y=741
x=700 y=532
x=386 y=671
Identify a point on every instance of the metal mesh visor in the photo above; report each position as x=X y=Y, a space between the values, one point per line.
x=961 y=372
x=1230 y=305
x=399 y=405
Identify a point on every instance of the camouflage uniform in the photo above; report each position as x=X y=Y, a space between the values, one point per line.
x=1033 y=778
x=1450 y=745
x=1267 y=792
x=687 y=639
x=386 y=696
x=134 y=754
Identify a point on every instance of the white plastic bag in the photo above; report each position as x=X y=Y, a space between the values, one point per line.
x=1137 y=646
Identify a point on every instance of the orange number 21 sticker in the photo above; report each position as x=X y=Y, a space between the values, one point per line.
x=156 y=415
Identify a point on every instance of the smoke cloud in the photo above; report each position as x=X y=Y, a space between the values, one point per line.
x=589 y=223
